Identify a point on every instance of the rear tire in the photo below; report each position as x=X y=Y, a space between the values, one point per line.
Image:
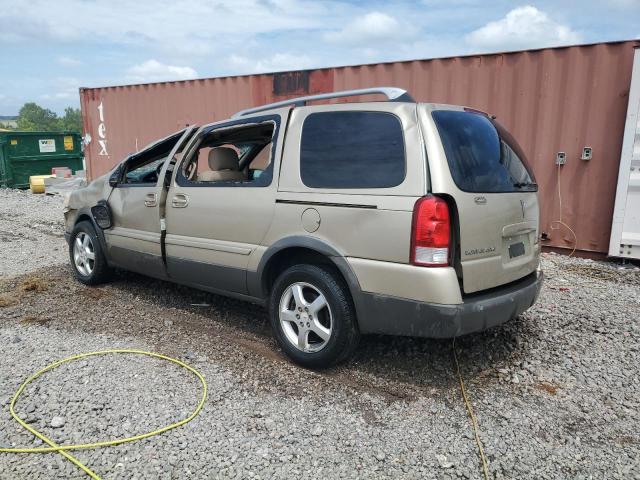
x=312 y=316
x=86 y=255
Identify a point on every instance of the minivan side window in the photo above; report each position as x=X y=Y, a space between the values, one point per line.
x=482 y=156
x=352 y=149
x=145 y=174
x=232 y=156
x=142 y=168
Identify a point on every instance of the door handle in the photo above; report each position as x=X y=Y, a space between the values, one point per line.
x=150 y=200
x=179 y=200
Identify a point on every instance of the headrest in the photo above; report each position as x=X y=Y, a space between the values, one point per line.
x=223 y=158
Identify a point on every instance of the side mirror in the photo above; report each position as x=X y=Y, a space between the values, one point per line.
x=115 y=176
x=102 y=214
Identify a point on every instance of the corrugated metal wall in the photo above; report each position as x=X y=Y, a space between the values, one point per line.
x=552 y=100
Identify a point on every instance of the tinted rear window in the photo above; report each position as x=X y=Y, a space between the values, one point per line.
x=483 y=157
x=352 y=150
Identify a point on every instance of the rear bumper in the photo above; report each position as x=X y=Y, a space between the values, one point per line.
x=400 y=316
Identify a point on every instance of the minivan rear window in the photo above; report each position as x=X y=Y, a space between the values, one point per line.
x=483 y=157
x=352 y=149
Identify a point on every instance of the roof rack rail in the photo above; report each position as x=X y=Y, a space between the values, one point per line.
x=393 y=94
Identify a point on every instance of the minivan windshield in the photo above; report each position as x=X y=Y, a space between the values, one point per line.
x=483 y=157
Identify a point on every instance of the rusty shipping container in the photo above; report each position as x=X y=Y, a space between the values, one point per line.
x=553 y=100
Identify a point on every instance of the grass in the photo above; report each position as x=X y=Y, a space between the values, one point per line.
x=33 y=284
x=7 y=300
x=31 y=319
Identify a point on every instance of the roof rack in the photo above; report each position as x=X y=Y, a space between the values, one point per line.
x=392 y=93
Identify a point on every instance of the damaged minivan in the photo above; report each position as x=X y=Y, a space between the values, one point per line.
x=388 y=217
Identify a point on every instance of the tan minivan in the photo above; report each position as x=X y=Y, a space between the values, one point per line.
x=390 y=217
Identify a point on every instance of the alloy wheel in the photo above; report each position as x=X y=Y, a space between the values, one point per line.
x=84 y=255
x=305 y=317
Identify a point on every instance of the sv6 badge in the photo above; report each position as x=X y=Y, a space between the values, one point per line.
x=479 y=251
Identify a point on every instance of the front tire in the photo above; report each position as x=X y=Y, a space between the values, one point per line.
x=86 y=255
x=312 y=316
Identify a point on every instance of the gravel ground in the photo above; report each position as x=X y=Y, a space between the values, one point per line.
x=555 y=391
x=31 y=231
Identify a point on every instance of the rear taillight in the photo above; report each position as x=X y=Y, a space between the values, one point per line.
x=430 y=232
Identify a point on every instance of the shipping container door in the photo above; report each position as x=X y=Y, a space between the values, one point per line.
x=625 y=229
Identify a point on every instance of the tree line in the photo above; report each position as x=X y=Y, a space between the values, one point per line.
x=33 y=118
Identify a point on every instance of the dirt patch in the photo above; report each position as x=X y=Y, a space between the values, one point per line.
x=363 y=385
x=33 y=284
x=13 y=296
x=34 y=320
x=260 y=348
x=94 y=293
x=8 y=300
x=626 y=440
x=547 y=387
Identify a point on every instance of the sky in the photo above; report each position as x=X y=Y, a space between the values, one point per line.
x=51 y=48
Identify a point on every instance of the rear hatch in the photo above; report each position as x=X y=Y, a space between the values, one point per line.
x=485 y=173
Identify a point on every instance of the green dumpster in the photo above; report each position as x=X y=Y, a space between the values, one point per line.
x=23 y=154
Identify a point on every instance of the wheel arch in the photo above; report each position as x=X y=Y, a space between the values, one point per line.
x=294 y=250
x=84 y=215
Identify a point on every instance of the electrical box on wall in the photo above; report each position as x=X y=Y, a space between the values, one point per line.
x=561 y=158
x=587 y=153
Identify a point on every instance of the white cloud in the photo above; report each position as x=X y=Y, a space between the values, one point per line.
x=224 y=37
x=625 y=3
x=451 y=3
x=68 y=61
x=276 y=63
x=64 y=88
x=154 y=71
x=523 y=27
x=177 y=30
x=372 y=28
x=9 y=104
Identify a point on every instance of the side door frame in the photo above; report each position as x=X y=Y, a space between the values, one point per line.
x=227 y=259
x=136 y=249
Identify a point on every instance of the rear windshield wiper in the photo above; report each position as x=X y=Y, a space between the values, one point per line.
x=525 y=184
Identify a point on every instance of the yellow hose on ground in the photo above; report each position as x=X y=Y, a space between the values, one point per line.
x=472 y=417
x=62 y=449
